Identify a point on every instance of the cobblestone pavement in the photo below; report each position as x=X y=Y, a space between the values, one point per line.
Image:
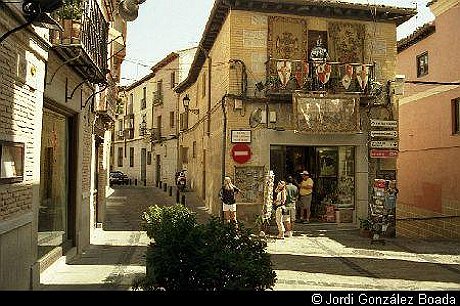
x=317 y=257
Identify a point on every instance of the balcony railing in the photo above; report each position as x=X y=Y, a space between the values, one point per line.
x=83 y=43
x=285 y=76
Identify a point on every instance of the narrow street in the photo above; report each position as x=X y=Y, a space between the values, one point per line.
x=317 y=257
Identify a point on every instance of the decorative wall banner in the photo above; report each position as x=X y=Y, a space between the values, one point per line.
x=348 y=76
x=326 y=115
x=323 y=72
x=362 y=75
x=284 y=71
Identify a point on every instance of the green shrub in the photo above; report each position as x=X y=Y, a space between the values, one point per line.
x=214 y=256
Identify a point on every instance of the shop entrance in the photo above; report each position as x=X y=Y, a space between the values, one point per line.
x=332 y=169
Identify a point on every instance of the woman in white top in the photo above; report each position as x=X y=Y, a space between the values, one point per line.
x=280 y=202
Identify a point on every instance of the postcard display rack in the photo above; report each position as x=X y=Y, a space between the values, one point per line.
x=380 y=216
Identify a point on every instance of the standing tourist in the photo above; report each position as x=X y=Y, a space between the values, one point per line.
x=305 y=193
x=279 y=204
x=227 y=195
x=292 y=195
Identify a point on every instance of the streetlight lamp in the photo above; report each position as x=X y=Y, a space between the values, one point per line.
x=186 y=103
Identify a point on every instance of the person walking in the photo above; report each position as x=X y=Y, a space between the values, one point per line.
x=292 y=195
x=280 y=202
x=305 y=193
x=227 y=195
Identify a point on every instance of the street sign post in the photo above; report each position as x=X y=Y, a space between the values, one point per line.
x=241 y=153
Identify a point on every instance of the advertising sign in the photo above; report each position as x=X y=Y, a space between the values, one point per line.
x=376 y=153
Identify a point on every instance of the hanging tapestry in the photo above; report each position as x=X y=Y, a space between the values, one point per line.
x=347 y=42
x=326 y=115
x=286 y=38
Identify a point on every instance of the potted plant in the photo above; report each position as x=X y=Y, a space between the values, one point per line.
x=70 y=15
x=365 y=226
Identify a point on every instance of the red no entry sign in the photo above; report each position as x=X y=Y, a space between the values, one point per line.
x=241 y=153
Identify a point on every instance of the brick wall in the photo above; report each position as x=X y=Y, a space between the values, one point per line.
x=415 y=222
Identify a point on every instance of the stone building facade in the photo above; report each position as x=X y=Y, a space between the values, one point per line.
x=429 y=198
x=145 y=145
x=266 y=105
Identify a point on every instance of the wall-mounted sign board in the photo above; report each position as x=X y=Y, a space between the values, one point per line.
x=376 y=153
x=387 y=134
x=241 y=136
x=384 y=123
x=390 y=144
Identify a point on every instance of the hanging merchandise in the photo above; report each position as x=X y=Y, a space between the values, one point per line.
x=382 y=208
x=268 y=194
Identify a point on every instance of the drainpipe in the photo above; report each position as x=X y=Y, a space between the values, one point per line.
x=208 y=133
x=224 y=142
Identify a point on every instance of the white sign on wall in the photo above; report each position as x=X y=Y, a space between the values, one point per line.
x=384 y=123
x=241 y=136
x=388 y=134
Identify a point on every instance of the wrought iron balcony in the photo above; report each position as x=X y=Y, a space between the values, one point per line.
x=83 y=43
x=284 y=76
x=107 y=102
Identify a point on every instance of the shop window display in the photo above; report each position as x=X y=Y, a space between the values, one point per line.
x=336 y=182
x=332 y=169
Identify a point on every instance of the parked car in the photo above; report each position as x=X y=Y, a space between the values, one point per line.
x=118 y=178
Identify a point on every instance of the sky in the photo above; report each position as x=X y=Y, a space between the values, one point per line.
x=165 y=26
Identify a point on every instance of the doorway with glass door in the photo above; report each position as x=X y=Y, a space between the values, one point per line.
x=332 y=169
